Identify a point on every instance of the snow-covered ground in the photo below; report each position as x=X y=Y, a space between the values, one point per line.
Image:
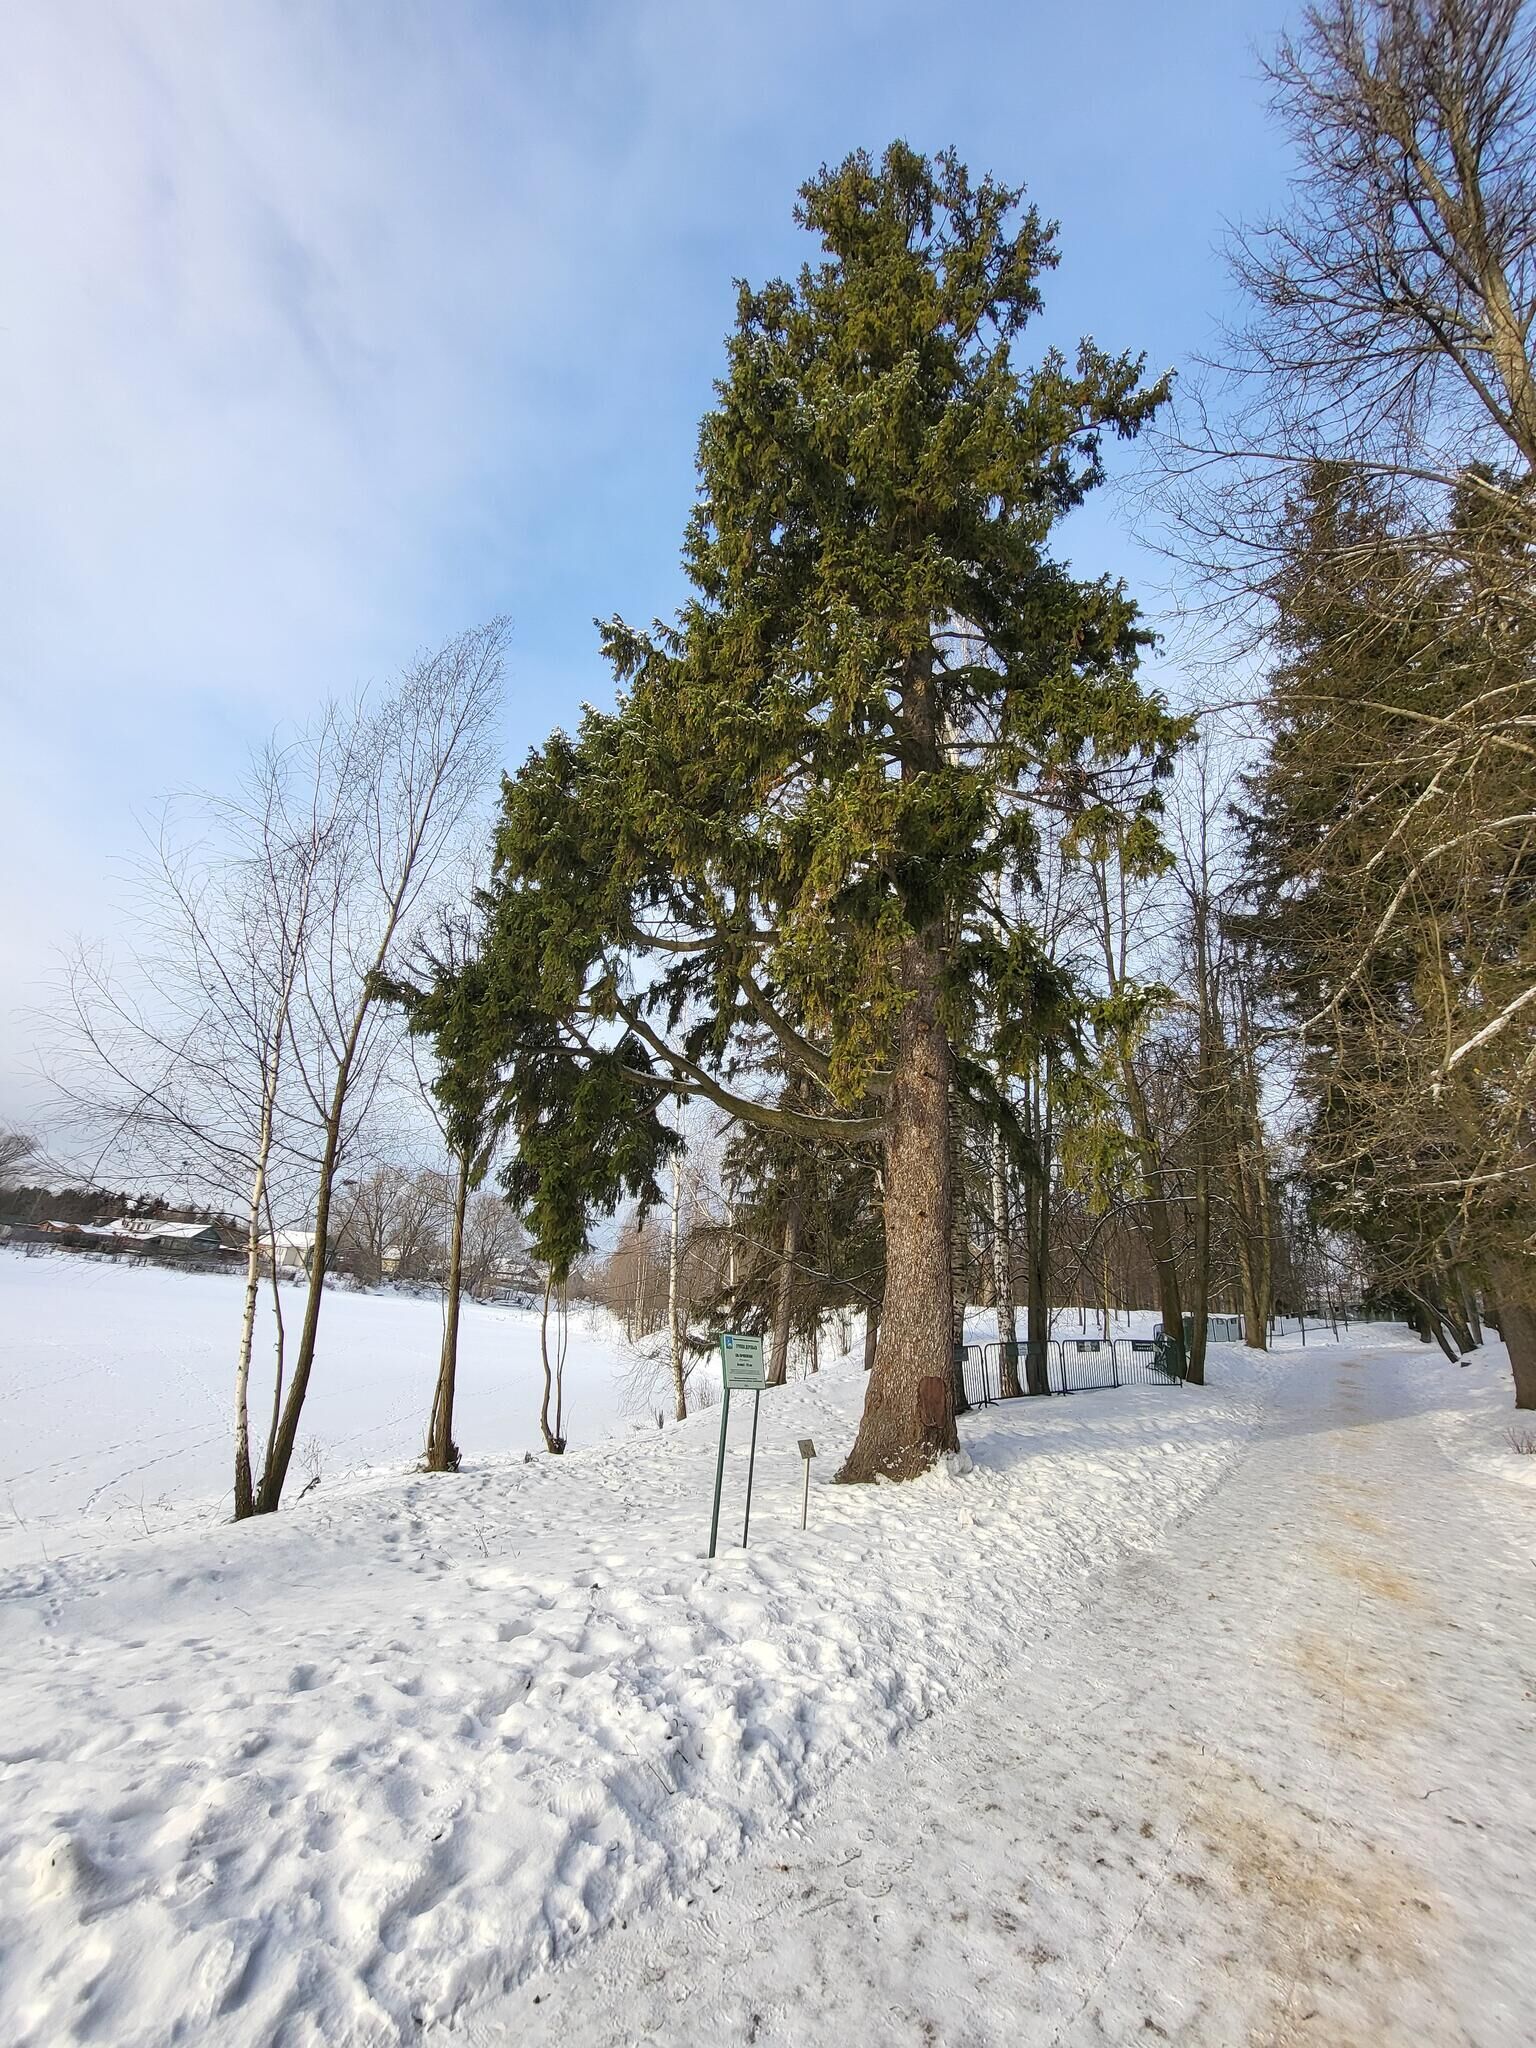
x=116 y=1383
x=387 y=1763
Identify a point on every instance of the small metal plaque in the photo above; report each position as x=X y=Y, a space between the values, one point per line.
x=807 y=1447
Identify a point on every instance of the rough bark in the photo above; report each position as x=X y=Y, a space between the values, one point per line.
x=442 y=1452
x=917 y=1314
x=1514 y=1286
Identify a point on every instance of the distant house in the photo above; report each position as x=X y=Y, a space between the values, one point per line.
x=155 y=1235
x=139 y=1234
x=294 y=1250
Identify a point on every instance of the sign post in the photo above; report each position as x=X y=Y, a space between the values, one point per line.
x=757 y=1395
x=741 y=1370
x=807 y=1452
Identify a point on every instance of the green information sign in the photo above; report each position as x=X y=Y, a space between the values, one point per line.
x=741 y=1363
x=741 y=1371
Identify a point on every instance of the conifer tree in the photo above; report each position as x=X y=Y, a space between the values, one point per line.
x=776 y=857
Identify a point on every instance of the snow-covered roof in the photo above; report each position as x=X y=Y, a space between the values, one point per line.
x=150 y=1226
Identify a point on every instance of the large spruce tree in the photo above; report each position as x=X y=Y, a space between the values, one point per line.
x=777 y=857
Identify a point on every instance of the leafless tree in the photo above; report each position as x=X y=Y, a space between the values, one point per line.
x=495 y=1249
x=393 y=1225
x=235 y=1047
x=1394 y=295
x=1391 y=302
x=418 y=762
x=174 y=1057
x=16 y=1148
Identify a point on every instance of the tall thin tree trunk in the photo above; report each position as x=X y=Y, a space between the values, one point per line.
x=553 y=1440
x=871 y=1334
x=245 y=1494
x=280 y=1337
x=275 y=1471
x=1200 y=1293
x=1205 y=1113
x=917 y=1315
x=1250 y=1184
x=1002 y=1273
x=1037 y=1237
x=674 y=1293
x=442 y=1451
x=959 y=1263
x=1159 y=1220
x=1466 y=1294
x=784 y=1292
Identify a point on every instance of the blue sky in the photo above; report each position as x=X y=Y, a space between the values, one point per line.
x=331 y=326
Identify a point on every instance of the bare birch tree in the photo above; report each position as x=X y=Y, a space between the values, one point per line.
x=417 y=763
x=234 y=1048
x=173 y=1059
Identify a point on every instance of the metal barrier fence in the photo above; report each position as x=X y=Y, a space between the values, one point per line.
x=1074 y=1365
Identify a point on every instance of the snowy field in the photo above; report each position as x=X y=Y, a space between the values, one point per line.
x=371 y=1768
x=116 y=1383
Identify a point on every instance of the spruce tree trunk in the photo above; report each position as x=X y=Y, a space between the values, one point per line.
x=784 y=1292
x=917 y=1314
x=442 y=1451
x=1002 y=1274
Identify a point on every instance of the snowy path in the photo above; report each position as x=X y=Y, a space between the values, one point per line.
x=1276 y=1785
